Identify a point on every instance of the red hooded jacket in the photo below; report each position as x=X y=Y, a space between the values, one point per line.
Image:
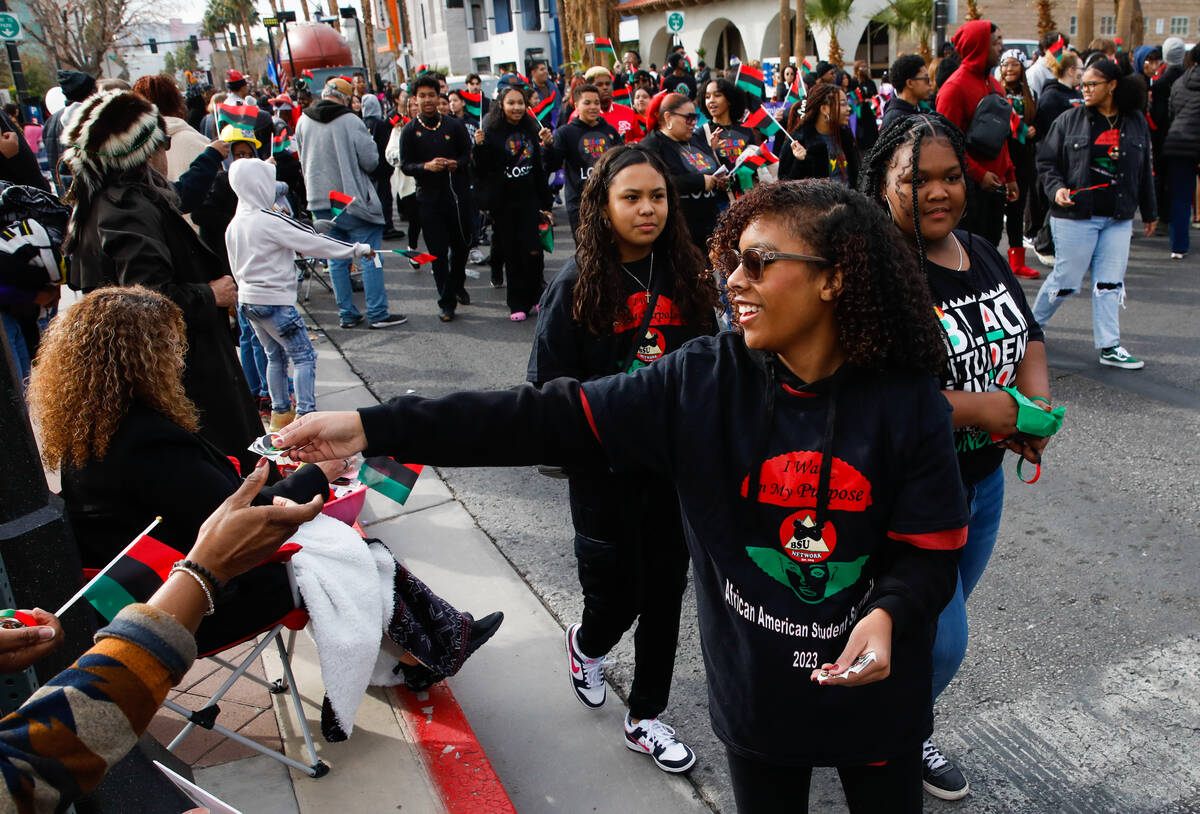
x=958 y=97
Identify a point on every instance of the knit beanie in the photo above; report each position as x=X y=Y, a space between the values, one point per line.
x=76 y=85
x=114 y=130
x=1173 y=50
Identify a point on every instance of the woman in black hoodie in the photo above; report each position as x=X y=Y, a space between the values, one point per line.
x=691 y=163
x=512 y=185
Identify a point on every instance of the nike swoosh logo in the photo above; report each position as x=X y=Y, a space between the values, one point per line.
x=574 y=667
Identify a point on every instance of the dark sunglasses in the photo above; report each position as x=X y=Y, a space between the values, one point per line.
x=755 y=261
x=690 y=118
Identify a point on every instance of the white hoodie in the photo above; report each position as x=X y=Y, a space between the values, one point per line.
x=263 y=244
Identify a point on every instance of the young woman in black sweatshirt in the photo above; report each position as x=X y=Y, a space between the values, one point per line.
x=634 y=292
x=511 y=184
x=813 y=459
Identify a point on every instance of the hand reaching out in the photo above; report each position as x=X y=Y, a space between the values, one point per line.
x=323 y=436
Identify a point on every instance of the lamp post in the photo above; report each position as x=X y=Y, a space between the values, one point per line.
x=350 y=13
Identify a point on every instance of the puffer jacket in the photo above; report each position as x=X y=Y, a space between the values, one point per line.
x=1064 y=159
x=1183 y=138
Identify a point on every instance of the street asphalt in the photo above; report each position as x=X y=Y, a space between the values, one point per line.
x=1080 y=691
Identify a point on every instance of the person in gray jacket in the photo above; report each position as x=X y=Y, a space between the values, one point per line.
x=337 y=155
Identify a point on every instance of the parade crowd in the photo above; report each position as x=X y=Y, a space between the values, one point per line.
x=804 y=271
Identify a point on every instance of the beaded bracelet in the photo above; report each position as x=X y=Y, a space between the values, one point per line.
x=183 y=569
x=204 y=572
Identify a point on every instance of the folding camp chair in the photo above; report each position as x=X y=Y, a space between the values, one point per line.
x=310 y=268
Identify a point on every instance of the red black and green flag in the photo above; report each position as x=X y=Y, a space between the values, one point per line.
x=795 y=92
x=389 y=478
x=281 y=143
x=133 y=577
x=472 y=102
x=621 y=96
x=604 y=44
x=1056 y=50
x=307 y=74
x=762 y=121
x=240 y=116
x=750 y=80
x=415 y=255
x=542 y=110
x=338 y=201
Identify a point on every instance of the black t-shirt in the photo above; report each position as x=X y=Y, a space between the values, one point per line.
x=577 y=148
x=684 y=84
x=769 y=611
x=1105 y=146
x=988 y=325
x=563 y=347
x=733 y=141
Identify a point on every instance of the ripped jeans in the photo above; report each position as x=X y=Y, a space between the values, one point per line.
x=1100 y=245
x=280 y=329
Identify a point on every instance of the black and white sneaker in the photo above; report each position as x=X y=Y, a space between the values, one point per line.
x=388 y=321
x=652 y=737
x=587 y=675
x=942 y=778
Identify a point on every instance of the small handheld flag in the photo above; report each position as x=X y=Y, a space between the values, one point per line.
x=338 y=202
x=281 y=143
x=389 y=478
x=415 y=255
x=765 y=123
x=240 y=116
x=542 y=110
x=143 y=564
x=604 y=44
x=1056 y=50
x=796 y=92
x=472 y=102
x=621 y=96
x=750 y=80
x=307 y=74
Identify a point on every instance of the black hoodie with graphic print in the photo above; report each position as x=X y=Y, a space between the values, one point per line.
x=576 y=149
x=773 y=602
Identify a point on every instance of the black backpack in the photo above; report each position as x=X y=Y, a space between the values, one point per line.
x=991 y=125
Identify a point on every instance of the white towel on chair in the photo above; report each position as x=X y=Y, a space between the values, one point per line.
x=347 y=590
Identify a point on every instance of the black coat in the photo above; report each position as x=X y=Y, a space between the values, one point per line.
x=131 y=239
x=1064 y=160
x=1183 y=136
x=816 y=161
x=154 y=467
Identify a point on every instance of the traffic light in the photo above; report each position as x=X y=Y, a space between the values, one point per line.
x=941 y=13
x=153 y=45
x=233 y=39
x=194 y=43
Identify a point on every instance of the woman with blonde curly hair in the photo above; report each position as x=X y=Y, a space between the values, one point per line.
x=107 y=397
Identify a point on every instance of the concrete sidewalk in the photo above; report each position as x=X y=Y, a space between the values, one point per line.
x=550 y=753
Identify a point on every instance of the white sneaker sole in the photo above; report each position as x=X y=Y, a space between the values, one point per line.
x=942 y=794
x=571 y=674
x=1138 y=365
x=641 y=750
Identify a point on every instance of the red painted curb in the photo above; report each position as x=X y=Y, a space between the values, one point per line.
x=460 y=769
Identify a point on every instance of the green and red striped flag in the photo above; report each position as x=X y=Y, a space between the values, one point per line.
x=338 y=201
x=415 y=255
x=240 y=116
x=621 y=96
x=762 y=121
x=808 y=65
x=281 y=143
x=796 y=92
x=132 y=577
x=542 y=110
x=750 y=80
x=389 y=478
x=472 y=102
x=604 y=44
x=1056 y=50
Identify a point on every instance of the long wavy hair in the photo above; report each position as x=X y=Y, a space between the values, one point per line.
x=114 y=348
x=495 y=118
x=884 y=315
x=599 y=296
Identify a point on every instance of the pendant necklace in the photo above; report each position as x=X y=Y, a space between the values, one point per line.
x=646 y=285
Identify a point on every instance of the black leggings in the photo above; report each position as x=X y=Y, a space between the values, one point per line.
x=766 y=788
x=1014 y=212
x=515 y=246
x=412 y=214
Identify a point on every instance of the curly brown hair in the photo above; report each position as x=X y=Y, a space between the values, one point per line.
x=161 y=91
x=599 y=296
x=115 y=347
x=884 y=315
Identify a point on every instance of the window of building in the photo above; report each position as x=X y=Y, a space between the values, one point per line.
x=502 y=13
x=531 y=15
x=1108 y=25
x=1159 y=25
x=1179 y=26
x=478 y=23
x=1073 y=26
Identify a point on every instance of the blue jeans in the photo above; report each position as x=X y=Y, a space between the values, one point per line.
x=254 y=358
x=1181 y=186
x=16 y=341
x=355 y=230
x=985 y=500
x=280 y=328
x=1100 y=245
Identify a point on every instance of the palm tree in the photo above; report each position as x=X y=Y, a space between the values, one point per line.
x=216 y=23
x=911 y=18
x=829 y=14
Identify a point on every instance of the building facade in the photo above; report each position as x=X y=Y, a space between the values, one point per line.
x=483 y=36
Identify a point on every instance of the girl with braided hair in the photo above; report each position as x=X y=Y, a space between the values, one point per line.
x=916 y=173
x=820 y=124
x=812 y=458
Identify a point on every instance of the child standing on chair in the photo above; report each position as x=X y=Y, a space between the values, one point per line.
x=262 y=245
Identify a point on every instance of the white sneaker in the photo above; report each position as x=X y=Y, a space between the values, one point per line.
x=1045 y=259
x=587 y=675
x=1119 y=357
x=1177 y=255
x=652 y=737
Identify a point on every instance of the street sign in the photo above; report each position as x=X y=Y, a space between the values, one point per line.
x=10 y=27
x=675 y=22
